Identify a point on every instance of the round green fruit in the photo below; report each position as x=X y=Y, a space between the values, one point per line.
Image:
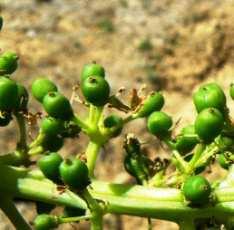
x=209 y=95
x=8 y=62
x=74 y=173
x=223 y=161
x=57 y=106
x=186 y=140
x=197 y=190
x=114 y=124
x=45 y=222
x=52 y=143
x=90 y=70
x=96 y=90
x=153 y=102
x=41 y=87
x=8 y=94
x=209 y=124
x=159 y=123
x=52 y=126
x=49 y=165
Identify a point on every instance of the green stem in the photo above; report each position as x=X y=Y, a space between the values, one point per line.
x=22 y=143
x=63 y=220
x=38 y=140
x=13 y=214
x=180 y=163
x=77 y=120
x=92 y=154
x=96 y=211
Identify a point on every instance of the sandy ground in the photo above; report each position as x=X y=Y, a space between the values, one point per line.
x=170 y=45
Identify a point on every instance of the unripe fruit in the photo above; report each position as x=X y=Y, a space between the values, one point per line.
x=52 y=143
x=52 y=126
x=209 y=124
x=96 y=90
x=114 y=124
x=90 y=70
x=41 y=87
x=57 y=106
x=74 y=173
x=197 y=190
x=209 y=95
x=159 y=123
x=186 y=140
x=45 y=222
x=49 y=165
x=153 y=102
x=8 y=94
x=8 y=62
x=223 y=161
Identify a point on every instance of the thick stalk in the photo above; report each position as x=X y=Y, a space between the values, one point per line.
x=187 y=225
x=92 y=154
x=8 y=207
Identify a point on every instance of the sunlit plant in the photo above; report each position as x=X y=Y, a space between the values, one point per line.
x=173 y=189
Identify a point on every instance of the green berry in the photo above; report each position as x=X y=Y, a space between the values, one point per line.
x=52 y=143
x=49 y=165
x=96 y=90
x=8 y=62
x=90 y=70
x=209 y=123
x=153 y=102
x=57 y=106
x=186 y=140
x=223 y=161
x=8 y=94
x=45 y=222
x=197 y=190
x=231 y=91
x=114 y=125
x=74 y=173
x=209 y=95
x=52 y=126
x=159 y=123
x=41 y=87
x=5 y=118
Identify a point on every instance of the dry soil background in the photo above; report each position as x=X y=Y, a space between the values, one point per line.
x=171 y=45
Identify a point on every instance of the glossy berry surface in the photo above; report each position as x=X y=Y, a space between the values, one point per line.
x=209 y=124
x=8 y=94
x=74 y=173
x=154 y=102
x=5 y=118
x=92 y=69
x=41 y=87
x=159 y=123
x=45 y=222
x=114 y=123
x=52 y=126
x=8 y=62
x=209 y=95
x=49 y=165
x=52 y=143
x=57 y=106
x=197 y=190
x=96 y=90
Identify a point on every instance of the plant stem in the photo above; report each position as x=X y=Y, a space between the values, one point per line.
x=63 y=220
x=92 y=154
x=80 y=123
x=96 y=211
x=13 y=214
x=22 y=143
x=187 y=225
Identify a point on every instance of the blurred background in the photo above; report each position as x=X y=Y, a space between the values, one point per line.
x=169 y=45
